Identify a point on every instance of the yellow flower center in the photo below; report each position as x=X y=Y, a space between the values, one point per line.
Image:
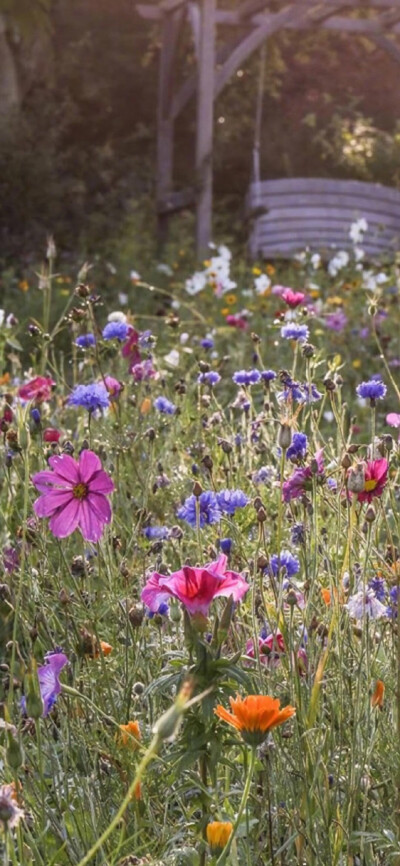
x=80 y=491
x=370 y=484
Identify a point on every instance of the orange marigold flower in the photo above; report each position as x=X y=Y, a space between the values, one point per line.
x=254 y=716
x=129 y=736
x=218 y=833
x=106 y=648
x=378 y=695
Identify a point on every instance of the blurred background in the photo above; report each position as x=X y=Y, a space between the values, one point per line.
x=78 y=95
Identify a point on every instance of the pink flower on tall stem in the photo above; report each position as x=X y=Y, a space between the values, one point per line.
x=74 y=495
x=292 y=299
x=375 y=472
x=301 y=480
x=195 y=587
x=38 y=389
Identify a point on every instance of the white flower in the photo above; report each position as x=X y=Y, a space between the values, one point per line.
x=134 y=275
x=315 y=260
x=262 y=283
x=123 y=299
x=2 y=317
x=224 y=252
x=184 y=338
x=196 y=283
x=357 y=230
x=371 y=281
x=117 y=316
x=365 y=603
x=358 y=254
x=339 y=261
x=165 y=269
x=172 y=358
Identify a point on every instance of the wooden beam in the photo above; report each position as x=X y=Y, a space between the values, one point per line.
x=171 y=26
x=204 y=127
x=387 y=45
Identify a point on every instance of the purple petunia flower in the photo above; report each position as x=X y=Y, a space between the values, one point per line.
x=209 y=510
x=295 y=332
x=164 y=406
x=116 y=331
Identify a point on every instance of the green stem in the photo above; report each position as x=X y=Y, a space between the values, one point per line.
x=225 y=853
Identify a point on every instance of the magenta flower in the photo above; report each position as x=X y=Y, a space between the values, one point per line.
x=39 y=389
x=74 y=495
x=130 y=348
x=270 y=649
x=291 y=298
x=300 y=481
x=375 y=473
x=195 y=587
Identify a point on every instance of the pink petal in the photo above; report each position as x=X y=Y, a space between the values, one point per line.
x=153 y=595
x=90 y=525
x=233 y=584
x=48 y=503
x=46 y=480
x=218 y=567
x=101 y=483
x=65 y=467
x=393 y=419
x=89 y=463
x=194 y=587
x=65 y=520
x=100 y=506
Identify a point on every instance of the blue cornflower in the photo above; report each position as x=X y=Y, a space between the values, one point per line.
x=297 y=534
x=146 y=339
x=207 y=343
x=298 y=447
x=378 y=586
x=284 y=560
x=230 y=500
x=209 y=511
x=156 y=532
x=35 y=415
x=295 y=332
x=268 y=375
x=303 y=393
x=375 y=389
x=246 y=377
x=165 y=406
x=85 y=341
x=91 y=397
x=116 y=331
x=225 y=545
x=211 y=378
x=262 y=475
x=162 y=610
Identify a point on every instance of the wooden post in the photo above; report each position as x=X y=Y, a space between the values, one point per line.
x=165 y=121
x=204 y=131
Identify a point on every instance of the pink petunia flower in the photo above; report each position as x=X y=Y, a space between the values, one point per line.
x=375 y=473
x=195 y=587
x=74 y=495
x=301 y=480
x=38 y=389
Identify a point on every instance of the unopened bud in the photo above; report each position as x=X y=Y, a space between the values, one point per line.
x=346 y=462
x=166 y=727
x=284 y=436
x=261 y=515
x=197 y=489
x=14 y=753
x=308 y=350
x=370 y=514
x=356 y=479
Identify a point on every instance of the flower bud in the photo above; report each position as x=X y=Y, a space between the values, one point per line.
x=346 y=461
x=167 y=726
x=197 y=489
x=14 y=753
x=356 y=479
x=370 y=514
x=284 y=436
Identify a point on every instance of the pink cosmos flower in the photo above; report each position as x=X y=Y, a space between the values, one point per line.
x=300 y=481
x=375 y=472
x=195 y=587
x=236 y=321
x=74 y=494
x=293 y=299
x=38 y=389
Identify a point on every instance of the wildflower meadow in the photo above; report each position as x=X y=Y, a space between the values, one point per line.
x=200 y=564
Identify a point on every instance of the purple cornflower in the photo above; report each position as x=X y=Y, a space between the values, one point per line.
x=85 y=341
x=91 y=397
x=303 y=393
x=225 y=544
x=143 y=370
x=246 y=377
x=230 y=500
x=116 y=331
x=301 y=480
x=268 y=375
x=295 y=332
x=35 y=415
x=284 y=560
x=336 y=321
x=164 y=406
x=211 y=378
x=262 y=475
x=163 y=610
x=378 y=586
x=392 y=609
x=297 y=534
x=209 y=510
x=298 y=447
x=372 y=390
x=365 y=603
x=207 y=343
x=10 y=559
x=152 y=532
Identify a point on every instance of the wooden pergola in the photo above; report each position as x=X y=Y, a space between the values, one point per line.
x=243 y=30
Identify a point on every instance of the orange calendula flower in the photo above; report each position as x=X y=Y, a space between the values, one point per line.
x=218 y=833
x=254 y=716
x=145 y=406
x=106 y=648
x=378 y=695
x=326 y=595
x=129 y=736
